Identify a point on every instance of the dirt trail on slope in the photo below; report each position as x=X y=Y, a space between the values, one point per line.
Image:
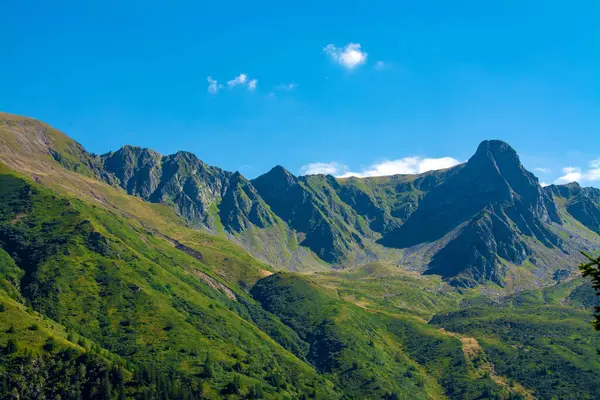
x=477 y=358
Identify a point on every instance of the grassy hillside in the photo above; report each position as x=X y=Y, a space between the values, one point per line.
x=106 y=296
x=140 y=297
x=369 y=353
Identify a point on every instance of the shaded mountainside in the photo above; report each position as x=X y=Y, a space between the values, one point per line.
x=386 y=202
x=491 y=204
x=582 y=203
x=311 y=206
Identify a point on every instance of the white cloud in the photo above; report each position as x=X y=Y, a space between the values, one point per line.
x=287 y=86
x=331 y=168
x=593 y=174
x=543 y=170
x=571 y=174
x=350 y=56
x=430 y=164
x=238 y=80
x=379 y=65
x=544 y=184
x=213 y=86
x=407 y=165
x=252 y=84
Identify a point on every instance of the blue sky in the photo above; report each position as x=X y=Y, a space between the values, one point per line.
x=359 y=87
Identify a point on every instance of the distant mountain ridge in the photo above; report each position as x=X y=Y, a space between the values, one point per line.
x=472 y=223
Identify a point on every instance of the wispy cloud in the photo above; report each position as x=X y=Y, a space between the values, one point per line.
x=350 y=56
x=407 y=165
x=241 y=80
x=379 y=65
x=593 y=174
x=213 y=86
x=543 y=170
x=330 y=168
x=287 y=86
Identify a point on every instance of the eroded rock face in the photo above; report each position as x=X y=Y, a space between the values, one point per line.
x=472 y=256
x=189 y=185
x=581 y=203
x=494 y=175
x=311 y=206
x=242 y=206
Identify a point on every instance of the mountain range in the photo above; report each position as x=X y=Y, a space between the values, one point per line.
x=176 y=278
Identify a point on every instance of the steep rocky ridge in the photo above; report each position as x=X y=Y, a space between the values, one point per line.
x=312 y=207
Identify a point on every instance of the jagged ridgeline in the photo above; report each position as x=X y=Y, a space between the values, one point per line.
x=139 y=275
x=477 y=222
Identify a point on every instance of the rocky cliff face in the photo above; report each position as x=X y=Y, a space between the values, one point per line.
x=311 y=206
x=494 y=175
x=242 y=207
x=582 y=203
x=181 y=180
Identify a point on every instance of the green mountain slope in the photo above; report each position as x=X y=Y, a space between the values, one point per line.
x=372 y=355
x=137 y=275
x=311 y=206
x=137 y=295
x=581 y=203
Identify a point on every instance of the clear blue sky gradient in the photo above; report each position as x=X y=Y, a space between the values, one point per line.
x=456 y=73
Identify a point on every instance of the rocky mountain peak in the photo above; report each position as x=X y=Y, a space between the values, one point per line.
x=278 y=172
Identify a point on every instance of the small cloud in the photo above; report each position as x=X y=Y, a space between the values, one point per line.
x=330 y=168
x=350 y=175
x=571 y=174
x=379 y=65
x=287 y=86
x=543 y=170
x=432 y=164
x=238 y=80
x=252 y=84
x=350 y=56
x=213 y=86
x=544 y=184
